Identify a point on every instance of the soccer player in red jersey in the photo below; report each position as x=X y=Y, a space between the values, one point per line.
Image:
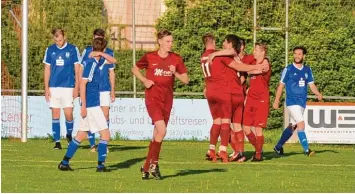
x=237 y=134
x=256 y=110
x=209 y=42
x=224 y=91
x=161 y=66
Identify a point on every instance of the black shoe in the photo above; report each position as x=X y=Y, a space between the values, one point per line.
x=238 y=157
x=145 y=175
x=69 y=138
x=102 y=169
x=255 y=159
x=64 y=167
x=310 y=153
x=154 y=170
x=279 y=152
x=57 y=146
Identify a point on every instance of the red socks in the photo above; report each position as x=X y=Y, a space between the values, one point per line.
x=214 y=134
x=239 y=135
x=252 y=139
x=225 y=134
x=259 y=146
x=153 y=154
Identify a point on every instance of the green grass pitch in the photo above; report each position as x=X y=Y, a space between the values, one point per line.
x=32 y=167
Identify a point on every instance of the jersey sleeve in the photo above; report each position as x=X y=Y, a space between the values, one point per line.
x=181 y=67
x=89 y=68
x=76 y=58
x=249 y=59
x=47 y=57
x=310 y=78
x=226 y=60
x=284 y=76
x=143 y=62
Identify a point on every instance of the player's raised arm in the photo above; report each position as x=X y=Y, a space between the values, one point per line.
x=108 y=57
x=239 y=66
x=224 y=52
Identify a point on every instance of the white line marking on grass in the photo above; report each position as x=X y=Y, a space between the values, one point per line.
x=209 y=163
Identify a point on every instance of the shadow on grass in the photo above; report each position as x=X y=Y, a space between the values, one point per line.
x=272 y=155
x=126 y=164
x=115 y=148
x=120 y=165
x=192 y=172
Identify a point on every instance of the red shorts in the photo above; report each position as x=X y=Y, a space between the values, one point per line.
x=256 y=113
x=220 y=104
x=159 y=103
x=237 y=108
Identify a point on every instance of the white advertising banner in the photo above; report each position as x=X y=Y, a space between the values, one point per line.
x=190 y=119
x=330 y=123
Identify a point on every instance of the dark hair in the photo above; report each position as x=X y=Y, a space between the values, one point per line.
x=208 y=38
x=99 y=32
x=304 y=50
x=235 y=40
x=162 y=33
x=99 y=44
x=57 y=31
x=242 y=42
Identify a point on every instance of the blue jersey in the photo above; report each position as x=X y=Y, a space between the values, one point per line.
x=61 y=61
x=105 y=84
x=92 y=74
x=296 y=81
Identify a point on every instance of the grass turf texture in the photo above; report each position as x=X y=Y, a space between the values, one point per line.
x=32 y=167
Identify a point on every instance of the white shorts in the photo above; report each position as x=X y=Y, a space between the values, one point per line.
x=105 y=98
x=296 y=114
x=61 y=97
x=94 y=121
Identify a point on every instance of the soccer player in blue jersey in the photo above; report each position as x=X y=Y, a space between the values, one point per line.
x=296 y=77
x=107 y=80
x=92 y=117
x=61 y=82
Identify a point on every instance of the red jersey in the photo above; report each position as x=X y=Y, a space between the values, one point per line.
x=218 y=75
x=157 y=68
x=259 y=85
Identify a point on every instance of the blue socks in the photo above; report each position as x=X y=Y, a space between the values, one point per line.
x=91 y=137
x=69 y=125
x=73 y=146
x=56 y=129
x=286 y=134
x=102 y=153
x=303 y=139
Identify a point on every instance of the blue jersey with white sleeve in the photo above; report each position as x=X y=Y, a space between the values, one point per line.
x=296 y=81
x=105 y=84
x=91 y=72
x=62 y=61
